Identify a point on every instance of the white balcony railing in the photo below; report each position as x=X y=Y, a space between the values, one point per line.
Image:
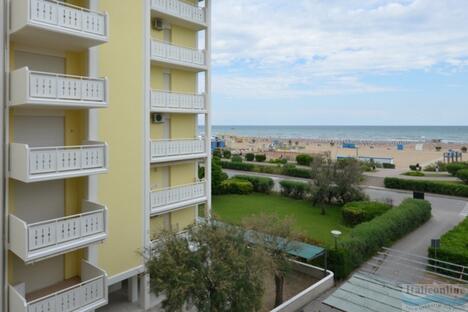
x=33 y=17
x=60 y=15
x=86 y=293
x=173 y=54
x=187 y=148
x=30 y=164
x=176 y=196
x=51 y=237
x=165 y=101
x=40 y=88
x=180 y=9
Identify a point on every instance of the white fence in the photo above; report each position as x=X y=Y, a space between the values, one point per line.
x=168 y=148
x=30 y=163
x=60 y=14
x=91 y=293
x=167 y=51
x=177 y=194
x=180 y=9
x=165 y=100
x=40 y=239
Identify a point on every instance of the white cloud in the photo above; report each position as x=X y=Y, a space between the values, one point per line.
x=269 y=48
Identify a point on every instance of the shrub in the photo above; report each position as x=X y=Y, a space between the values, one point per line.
x=453 y=246
x=201 y=172
x=218 y=153
x=217 y=175
x=293 y=171
x=249 y=156
x=260 y=184
x=227 y=154
x=304 y=159
x=453 y=168
x=414 y=174
x=432 y=167
x=281 y=161
x=236 y=158
x=355 y=213
x=445 y=188
x=413 y=167
x=367 y=238
x=438 y=148
x=388 y=166
x=260 y=157
x=236 y=186
x=237 y=166
x=463 y=175
x=464 y=149
x=294 y=189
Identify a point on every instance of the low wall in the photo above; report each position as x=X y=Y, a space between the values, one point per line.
x=307 y=295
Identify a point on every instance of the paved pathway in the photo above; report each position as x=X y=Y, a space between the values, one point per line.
x=446 y=213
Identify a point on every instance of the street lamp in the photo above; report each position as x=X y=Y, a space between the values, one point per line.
x=336 y=234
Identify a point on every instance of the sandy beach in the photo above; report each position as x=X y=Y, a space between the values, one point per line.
x=411 y=153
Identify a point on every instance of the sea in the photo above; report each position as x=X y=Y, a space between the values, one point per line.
x=444 y=134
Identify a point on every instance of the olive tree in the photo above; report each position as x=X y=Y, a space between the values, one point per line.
x=212 y=269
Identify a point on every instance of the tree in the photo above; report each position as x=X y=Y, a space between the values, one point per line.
x=277 y=236
x=214 y=269
x=335 y=182
x=217 y=175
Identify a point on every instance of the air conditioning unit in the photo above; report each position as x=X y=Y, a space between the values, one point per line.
x=158 y=24
x=157 y=118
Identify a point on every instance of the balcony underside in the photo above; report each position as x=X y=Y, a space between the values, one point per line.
x=60 y=175
x=53 y=38
x=178 y=110
x=165 y=159
x=173 y=19
x=173 y=64
x=179 y=205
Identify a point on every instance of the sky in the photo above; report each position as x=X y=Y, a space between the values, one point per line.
x=340 y=62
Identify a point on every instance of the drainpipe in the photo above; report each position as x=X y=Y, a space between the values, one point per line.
x=3 y=154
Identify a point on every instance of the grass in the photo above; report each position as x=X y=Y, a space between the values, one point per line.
x=309 y=222
x=414 y=174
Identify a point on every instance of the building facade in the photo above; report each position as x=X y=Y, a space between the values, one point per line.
x=102 y=146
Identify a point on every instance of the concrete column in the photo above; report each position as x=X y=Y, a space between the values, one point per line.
x=3 y=153
x=208 y=104
x=132 y=289
x=92 y=131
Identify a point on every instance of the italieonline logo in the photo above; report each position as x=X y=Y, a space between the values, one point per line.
x=434 y=297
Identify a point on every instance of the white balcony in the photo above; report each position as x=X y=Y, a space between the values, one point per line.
x=32 y=164
x=33 y=89
x=173 y=56
x=33 y=241
x=175 y=150
x=175 y=197
x=176 y=102
x=79 y=294
x=179 y=12
x=57 y=25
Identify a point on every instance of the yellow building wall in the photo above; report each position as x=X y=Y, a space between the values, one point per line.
x=182 y=174
x=121 y=126
x=181 y=219
x=156 y=226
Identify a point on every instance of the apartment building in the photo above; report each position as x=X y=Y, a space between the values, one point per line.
x=101 y=144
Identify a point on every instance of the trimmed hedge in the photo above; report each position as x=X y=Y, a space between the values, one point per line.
x=388 y=166
x=227 y=154
x=260 y=184
x=453 y=246
x=453 y=168
x=249 y=156
x=294 y=189
x=355 y=213
x=414 y=174
x=237 y=165
x=445 y=188
x=287 y=170
x=236 y=186
x=463 y=175
x=304 y=159
x=236 y=158
x=369 y=237
x=293 y=171
x=281 y=161
x=260 y=157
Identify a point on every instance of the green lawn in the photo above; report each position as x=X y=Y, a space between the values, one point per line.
x=233 y=208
